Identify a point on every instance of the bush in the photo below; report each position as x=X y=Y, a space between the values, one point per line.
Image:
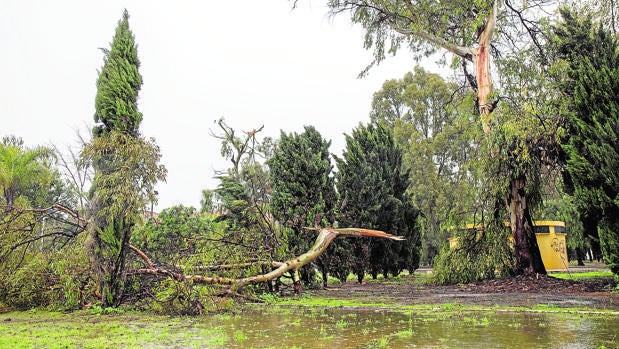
x=58 y=280
x=478 y=256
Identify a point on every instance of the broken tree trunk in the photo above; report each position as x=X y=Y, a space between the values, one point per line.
x=325 y=237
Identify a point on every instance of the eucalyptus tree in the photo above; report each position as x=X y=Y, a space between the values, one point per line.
x=125 y=165
x=587 y=72
x=473 y=32
x=432 y=126
x=300 y=173
x=372 y=187
x=244 y=190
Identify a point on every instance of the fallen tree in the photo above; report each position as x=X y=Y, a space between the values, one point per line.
x=324 y=238
x=58 y=225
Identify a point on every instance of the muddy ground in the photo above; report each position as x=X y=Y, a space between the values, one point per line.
x=525 y=291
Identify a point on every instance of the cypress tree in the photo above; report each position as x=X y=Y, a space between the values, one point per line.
x=118 y=85
x=372 y=187
x=303 y=191
x=126 y=166
x=589 y=58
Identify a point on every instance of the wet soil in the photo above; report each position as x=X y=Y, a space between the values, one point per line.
x=519 y=291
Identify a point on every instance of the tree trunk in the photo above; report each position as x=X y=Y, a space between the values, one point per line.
x=528 y=256
x=108 y=254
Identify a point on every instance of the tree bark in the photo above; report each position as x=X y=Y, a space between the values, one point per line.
x=482 y=66
x=528 y=256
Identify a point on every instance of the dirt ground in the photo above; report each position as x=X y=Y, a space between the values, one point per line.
x=525 y=291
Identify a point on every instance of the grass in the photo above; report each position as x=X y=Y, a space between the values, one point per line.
x=583 y=276
x=318 y=320
x=100 y=329
x=83 y=329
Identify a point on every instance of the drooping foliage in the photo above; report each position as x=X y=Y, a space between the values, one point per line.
x=372 y=187
x=587 y=69
x=42 y=263
x=474 y=33
x=126 y=170
x=606 y=12
x=303 y=192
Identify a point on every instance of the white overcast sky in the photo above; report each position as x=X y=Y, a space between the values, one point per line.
x=252 y=62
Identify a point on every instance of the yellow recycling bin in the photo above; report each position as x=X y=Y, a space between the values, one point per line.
x=552 y=245
x=550 y=239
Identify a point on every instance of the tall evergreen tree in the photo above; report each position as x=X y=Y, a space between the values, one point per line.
x=118 y=85
x=126 y=166
x=372 y=186
x=303 y=191
x=587 y=59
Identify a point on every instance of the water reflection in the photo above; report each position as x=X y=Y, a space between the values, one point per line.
x=291 y=327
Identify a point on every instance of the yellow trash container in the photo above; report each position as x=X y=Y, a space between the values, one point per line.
x=550 y=239
x=552 y=245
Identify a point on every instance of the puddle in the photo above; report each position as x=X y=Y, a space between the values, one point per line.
x=363 y=328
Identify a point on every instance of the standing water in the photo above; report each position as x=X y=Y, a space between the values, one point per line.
x=375 y=328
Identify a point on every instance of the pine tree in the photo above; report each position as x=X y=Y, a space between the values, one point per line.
x=372 y=186
x=589 y=57
x=303 y=191
x=125 y=165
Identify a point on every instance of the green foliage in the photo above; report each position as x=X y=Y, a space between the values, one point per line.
x=459 y=28
x=126 y=170
x=433 y=126
x=606 y=12
x=372 y=186
x=183 y=241
x=587 y=71
x=52 y=279
x=25 y=173
x=479 y=255
x=426 y=25
x=126 y=166
x=243 y=198
x=174 y=236
x=118 y=85
x=303 y=193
